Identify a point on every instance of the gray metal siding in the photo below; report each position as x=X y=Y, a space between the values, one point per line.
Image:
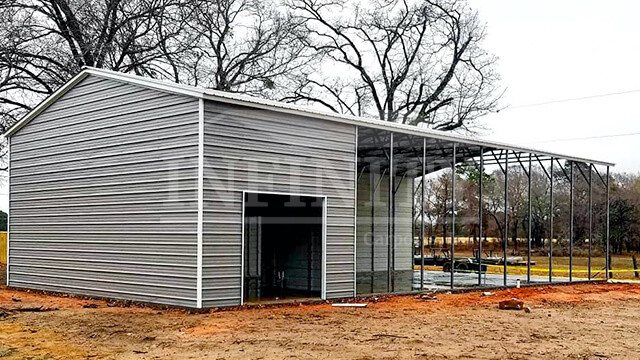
x=372 y=278
x=259 y=150
x=104 y=195
x=402 y=231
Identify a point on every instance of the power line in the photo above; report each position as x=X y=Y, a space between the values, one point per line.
x=586 y=138
x=571 y=99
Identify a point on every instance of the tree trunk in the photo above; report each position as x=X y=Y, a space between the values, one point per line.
x=444 y=234
x=514 y=237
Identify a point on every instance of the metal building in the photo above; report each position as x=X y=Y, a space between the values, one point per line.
x=132 y=188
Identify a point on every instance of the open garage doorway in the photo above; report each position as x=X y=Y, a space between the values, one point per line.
x=283 y=245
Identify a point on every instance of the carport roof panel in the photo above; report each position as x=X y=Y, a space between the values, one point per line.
x=250 y=101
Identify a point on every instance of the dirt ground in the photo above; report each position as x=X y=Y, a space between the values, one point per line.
x=584 y=321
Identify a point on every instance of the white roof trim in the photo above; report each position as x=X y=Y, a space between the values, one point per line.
x=250 y=101
x=45 y=104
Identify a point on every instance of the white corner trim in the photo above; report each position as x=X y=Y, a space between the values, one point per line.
x=244 y=196
x=355 y=214
x=200 y=200
x=323 y=293
x=8 y=202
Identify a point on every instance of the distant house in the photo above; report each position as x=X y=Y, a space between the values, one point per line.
x=132 y=188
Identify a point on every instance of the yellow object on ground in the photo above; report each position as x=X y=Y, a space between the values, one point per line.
x=559 y=269
x=3 y=247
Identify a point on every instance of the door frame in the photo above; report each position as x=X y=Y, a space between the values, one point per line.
x=324 y=199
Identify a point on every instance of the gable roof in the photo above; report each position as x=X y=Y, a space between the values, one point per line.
x=250 y=101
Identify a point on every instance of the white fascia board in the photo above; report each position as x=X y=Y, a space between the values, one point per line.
x=147 y=82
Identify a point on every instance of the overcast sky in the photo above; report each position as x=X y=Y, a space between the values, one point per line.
x=556 y=50
x=553 y=50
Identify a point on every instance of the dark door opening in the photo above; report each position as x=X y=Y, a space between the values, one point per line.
x=282 y=247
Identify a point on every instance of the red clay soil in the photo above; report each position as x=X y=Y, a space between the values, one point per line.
x=583 y=321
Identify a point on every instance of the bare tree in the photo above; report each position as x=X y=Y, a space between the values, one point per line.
x=413 y=62
x=517 y=204
x=493 y=202
x=45 y=42
x=436 y=200
x=437 y=205
x=247 y=46
x=232 y=45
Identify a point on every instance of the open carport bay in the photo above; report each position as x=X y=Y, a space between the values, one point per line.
x=438 y=280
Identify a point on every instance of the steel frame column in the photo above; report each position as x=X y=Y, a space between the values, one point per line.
x=373 y=225
x=413 y=225
x=529 y=224
x=480 y=205
x=571 y=185
x=551 y=222
x=506 y=218
x=424 y=173
x=393 y=230
x=608 y=255
x=453 y=212
x=389 y=213
x=590 y=221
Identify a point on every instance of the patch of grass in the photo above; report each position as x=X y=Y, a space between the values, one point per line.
x=5 y=352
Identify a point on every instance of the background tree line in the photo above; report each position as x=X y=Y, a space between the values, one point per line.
x=416 y=62
x=624 y=208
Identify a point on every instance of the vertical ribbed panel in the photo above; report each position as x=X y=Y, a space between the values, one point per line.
x=374 y=280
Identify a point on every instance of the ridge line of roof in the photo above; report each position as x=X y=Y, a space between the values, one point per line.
x=251 y=101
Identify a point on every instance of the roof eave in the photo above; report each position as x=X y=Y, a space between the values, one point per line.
x=384 y=125
x=244 y=100
x=46 y=103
